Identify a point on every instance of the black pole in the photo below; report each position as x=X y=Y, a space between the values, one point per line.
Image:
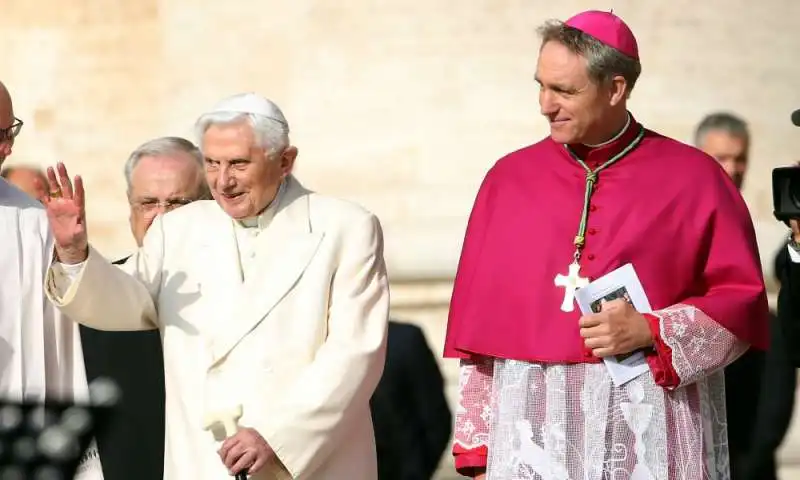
x=241 y=476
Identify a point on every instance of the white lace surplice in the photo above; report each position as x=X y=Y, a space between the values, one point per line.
x=569 y=422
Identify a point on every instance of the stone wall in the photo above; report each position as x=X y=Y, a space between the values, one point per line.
x=399 y=105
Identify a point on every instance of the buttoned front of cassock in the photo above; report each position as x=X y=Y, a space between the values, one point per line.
x=298 y=343
x=591 y=264
x=274 y=253
x=247 y=231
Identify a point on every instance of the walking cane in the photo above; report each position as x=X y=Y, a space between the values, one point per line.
x=228 y=418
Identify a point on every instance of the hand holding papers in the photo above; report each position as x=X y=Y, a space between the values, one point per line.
x=621 y=283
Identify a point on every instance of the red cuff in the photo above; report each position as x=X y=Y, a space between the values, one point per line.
x=659 y=358
x=470 y=463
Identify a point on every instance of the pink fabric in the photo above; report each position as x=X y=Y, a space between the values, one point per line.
x=608 y=29
x=667 y=208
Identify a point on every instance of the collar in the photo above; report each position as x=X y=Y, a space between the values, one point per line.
x=594 y=156
x=262 y=220
x=615 y=137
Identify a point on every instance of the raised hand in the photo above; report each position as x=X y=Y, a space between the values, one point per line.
x=67 y=215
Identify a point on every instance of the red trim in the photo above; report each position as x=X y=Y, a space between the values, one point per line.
x=660 y=357
x=470 y=463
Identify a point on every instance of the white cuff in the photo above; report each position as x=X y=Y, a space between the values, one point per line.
x=63 y=276
x=71 y=271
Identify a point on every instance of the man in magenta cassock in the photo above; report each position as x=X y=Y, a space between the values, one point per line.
x=536 y=401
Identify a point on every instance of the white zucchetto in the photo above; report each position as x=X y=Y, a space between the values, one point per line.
x=251 y=103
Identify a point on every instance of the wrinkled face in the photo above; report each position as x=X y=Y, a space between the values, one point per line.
x=161 y=184
x=29 y=181
x=575 y=106
x=242 y=177
x=731 y=152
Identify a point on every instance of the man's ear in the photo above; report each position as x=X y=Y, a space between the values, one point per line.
x=287 y=159
x=618 y=91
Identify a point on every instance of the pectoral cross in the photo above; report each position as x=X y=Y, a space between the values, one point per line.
x=571 y=282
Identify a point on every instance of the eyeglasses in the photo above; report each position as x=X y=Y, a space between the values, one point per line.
x=151 y=204
x=11 y=132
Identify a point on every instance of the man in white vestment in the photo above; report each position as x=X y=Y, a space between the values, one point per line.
x=40 y=352
x=272 y=303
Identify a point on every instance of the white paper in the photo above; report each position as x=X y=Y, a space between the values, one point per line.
x=609 y=287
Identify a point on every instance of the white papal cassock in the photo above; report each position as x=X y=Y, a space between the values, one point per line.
x=287 y=319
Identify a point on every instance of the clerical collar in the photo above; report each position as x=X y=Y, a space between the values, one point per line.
x=596 y=155
x=615 y=137
x=263 y=220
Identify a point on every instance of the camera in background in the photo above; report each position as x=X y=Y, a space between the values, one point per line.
x=786 y=193
x=786 y=187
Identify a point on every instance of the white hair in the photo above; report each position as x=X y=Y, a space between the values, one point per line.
x=163 y=146
x=265 y=118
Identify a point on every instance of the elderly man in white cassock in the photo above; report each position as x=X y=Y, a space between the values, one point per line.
x=40 y=351
x=272 y=302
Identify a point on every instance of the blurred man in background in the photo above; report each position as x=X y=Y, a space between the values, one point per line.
x=161 y=175
x=30 y=180
x=725 y=137
x=759 y=385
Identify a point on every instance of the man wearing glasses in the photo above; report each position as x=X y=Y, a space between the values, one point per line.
x=10 y=125
x=40 y=351
x=161 y=175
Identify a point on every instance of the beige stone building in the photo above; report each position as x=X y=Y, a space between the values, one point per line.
x=399 y=105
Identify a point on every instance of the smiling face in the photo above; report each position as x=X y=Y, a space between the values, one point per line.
x=243 y=177
x=576 y=107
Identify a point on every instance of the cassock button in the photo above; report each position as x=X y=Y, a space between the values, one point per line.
x=591 y=256
x=592 y=207
x=592 y=231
